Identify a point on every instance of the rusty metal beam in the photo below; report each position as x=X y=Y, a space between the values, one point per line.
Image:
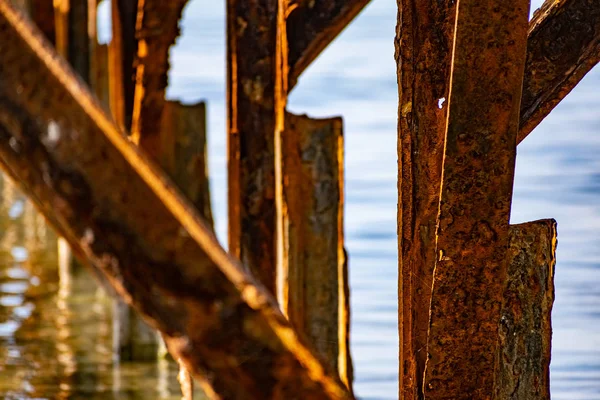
x=72 y=40
x=121 y=53
x=525 y=324
x=183 y=156
x=423 y=48
x=183 y=153
x=101 y=78
x=312 y=26
x=563 y=46
x=315 y=276
x=251 y=134
x=145 y=238
x=134 y=339
x=157 y=28
x=488 y=62
x=42 y=13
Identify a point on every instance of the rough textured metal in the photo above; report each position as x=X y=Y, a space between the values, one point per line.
x=478 y=169
x=71 y=19
x=42 y=13
x=525 y=324
x=121 y=53
x=251 y=134
x=423 y=43
x=315 y=274
x=183 y=153
x=563 y=46
x=312 y=25
x=424 y=40
x=144 y=237
x=183 y=156
x=132 y=339
x=101 y=80
x=157 y=28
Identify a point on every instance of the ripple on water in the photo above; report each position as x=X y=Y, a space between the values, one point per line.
x=16 y=287
x=11 y=300
x=16 y=273
x=19 y=253
x=8 y=328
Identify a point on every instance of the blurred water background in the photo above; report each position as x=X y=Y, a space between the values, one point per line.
x=55 y=336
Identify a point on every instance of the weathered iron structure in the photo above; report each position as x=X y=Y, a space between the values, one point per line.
x=121 y=174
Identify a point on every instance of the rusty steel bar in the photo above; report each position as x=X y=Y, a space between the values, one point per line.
x=140 y=232
x=312 y=26
x=563 y=46
x=183 y=153
x=422 y=51
x=72 y=40
x=423 y=43
x=132 y=339
x=42 y=13
x=157 y=28
x=251 y=135
x=315 y=274
x=121 y=53
x=488 y=62
x=525 y=325
x=101 y=80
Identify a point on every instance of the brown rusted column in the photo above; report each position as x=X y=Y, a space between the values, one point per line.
x=525 y=324
x=92 y=34
x=422 y=50
x=121 y=53
x=314 y=277
x=312 y=25
x=42 y=13
x=423 y=45
x=133 y=339
x=251 y=134
x=142 y=234
x=101 y=87
x=157 y=27
x=183 y=153
x=563 y=46
x=476 y=193
x=72 y=40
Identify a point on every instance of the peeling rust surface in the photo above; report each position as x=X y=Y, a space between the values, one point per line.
x=563 y=46
x=478 y=169
x=252 y=44
x=316 y=272
x=525 y=324
x=144 y=237
x=312 y=26
x=157 y=28
x=424 y=38
x=423 y=46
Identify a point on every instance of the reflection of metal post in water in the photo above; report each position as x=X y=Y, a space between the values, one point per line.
x=65 y=258
x=162 y=383
x=186 y=382
x=9 y=194
x=66 y=357
x=133 y=339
